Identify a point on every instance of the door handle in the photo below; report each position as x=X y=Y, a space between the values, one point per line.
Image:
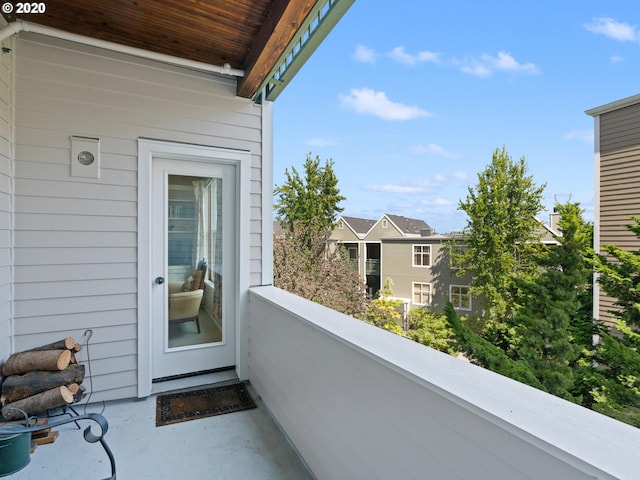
x=159 y=280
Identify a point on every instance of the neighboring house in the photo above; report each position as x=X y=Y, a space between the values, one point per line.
x=617 y=183
x=362 y=238
x=423 y=274
x=135 y=154
x=416 y=260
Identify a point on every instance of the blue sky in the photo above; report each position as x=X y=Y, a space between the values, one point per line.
x=411 y=98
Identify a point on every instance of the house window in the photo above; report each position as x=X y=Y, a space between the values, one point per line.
x=384 y=224
x=460 y=297
x=422 y=255
x=421 y=293
x=340 y=226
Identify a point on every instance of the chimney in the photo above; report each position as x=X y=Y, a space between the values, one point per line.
x=554 y=219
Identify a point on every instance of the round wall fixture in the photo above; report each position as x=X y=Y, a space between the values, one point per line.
x=85 y=158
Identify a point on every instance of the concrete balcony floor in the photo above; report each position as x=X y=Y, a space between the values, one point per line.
x=246 y=444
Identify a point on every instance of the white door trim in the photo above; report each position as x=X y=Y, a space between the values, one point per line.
x=147 y=150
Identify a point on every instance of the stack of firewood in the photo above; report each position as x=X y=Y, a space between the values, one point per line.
x=42 y=379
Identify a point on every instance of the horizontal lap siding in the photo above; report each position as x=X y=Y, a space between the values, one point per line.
x=5 y=203
x=76 y=238
x=619 y=183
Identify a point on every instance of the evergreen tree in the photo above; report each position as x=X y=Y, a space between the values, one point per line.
x=500 y=232
x=549 y=322
x=616 y=381
x=482 y=352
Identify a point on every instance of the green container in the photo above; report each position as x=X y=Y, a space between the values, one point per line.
x=15 y=448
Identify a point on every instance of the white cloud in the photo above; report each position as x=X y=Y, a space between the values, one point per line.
x=438 y=202
x=620 y=31
x=401 y=56
x=617 y=59
x=439 y=178
x=409 y=185
x=433 y=150
x=393 y=188
x=364 y=54
x=477 y=69
x=582 y=135
x=320 y=142
x=485 y=65
x=461 y=176
x=370 y=102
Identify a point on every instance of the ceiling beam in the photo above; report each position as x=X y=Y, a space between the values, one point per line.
x=284 y=20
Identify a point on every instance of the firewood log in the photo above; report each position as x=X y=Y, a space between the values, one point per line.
x=39 y=403
x=73 y=388
x=23 y=362
x=16 y=387
x=64 y=344
x=80 y=394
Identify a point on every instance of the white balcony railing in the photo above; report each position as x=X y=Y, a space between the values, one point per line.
x=372 y=266
x=359 y=402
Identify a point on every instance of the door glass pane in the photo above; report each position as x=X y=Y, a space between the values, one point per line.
x=194 y=259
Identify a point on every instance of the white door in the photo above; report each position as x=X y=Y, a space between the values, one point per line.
x=193 y=229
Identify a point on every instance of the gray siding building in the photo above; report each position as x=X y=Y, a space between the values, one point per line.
x=415 y=259
x=617 y=182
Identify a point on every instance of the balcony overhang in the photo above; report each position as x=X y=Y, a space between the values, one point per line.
x=262 y=42
x=320 y=21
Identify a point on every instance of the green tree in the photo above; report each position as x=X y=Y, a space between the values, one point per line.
x=550 y=322
x=431 y=329
x=384 y=311
x=306 y=207
x=482 y=352
x=616 y=381
x=501 y=232
x=309 y=199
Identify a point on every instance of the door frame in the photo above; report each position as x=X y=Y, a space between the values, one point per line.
x=148 y=149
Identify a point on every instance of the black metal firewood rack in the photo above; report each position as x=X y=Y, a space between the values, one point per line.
x=89 y=435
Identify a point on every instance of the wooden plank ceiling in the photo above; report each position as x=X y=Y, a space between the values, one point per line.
x=249 y=35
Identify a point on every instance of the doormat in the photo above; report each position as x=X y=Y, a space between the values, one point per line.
x=207 y=402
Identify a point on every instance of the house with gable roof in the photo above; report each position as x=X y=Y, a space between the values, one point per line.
x=415 y=258
x=362 y=238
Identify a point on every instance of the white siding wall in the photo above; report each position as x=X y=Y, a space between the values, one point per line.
x=359 y=402
x=76 y=238
x=6 y=80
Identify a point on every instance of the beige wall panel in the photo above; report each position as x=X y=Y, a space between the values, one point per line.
x=344 y=235
x=397 y=264
x=378 y=232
